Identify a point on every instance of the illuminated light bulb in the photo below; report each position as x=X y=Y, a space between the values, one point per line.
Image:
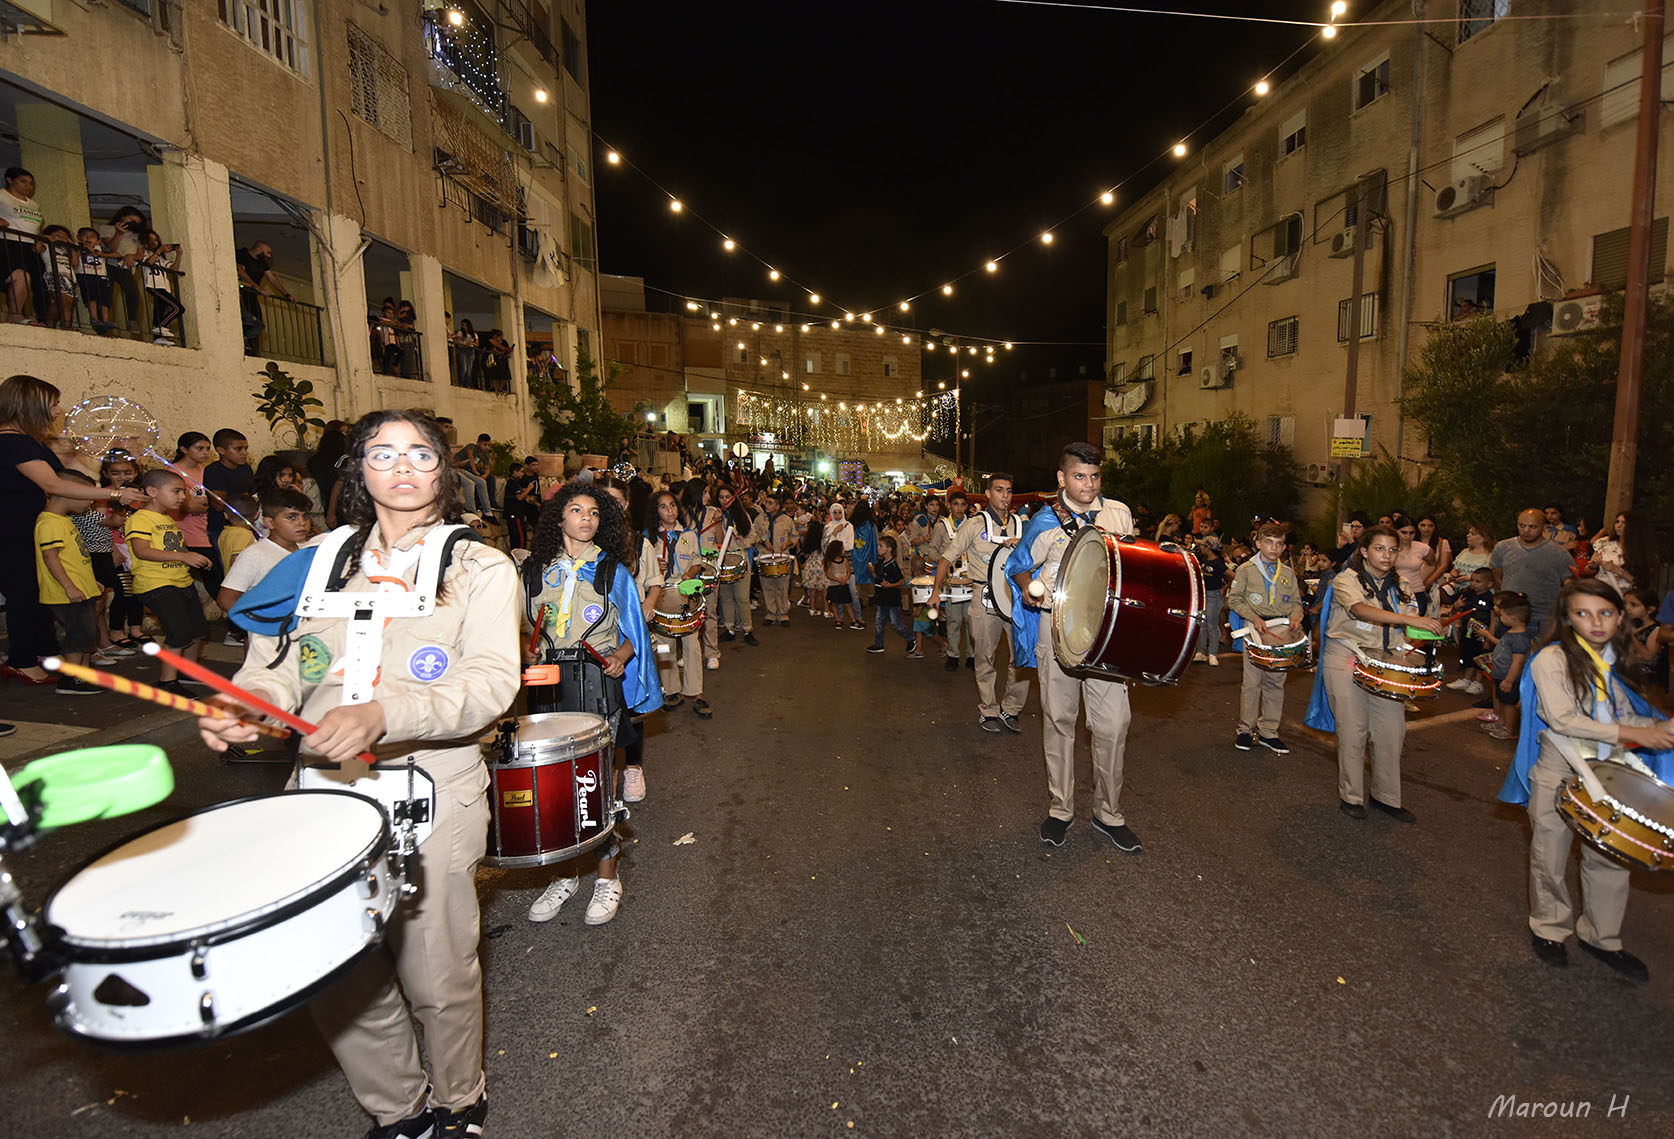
x=835 y=325
x=965 y=373
x=1328 y=32
x=1179 y=150
x=947 y=290
x=1262 y=87
x=778 y=328
x=764 y=361
x=918 y=395
x=866 y=317
x=1338 y=7
x=992 y=266
x=1046 y=238
x=804 y=387
x=1008 y=346
x=755 y=326
x=773 y=274
x=897 y=401
x=906 y=339
x=784 y=375
x=540 y=94
x=929 y=345
x=941 y=386
x=880 y=330
x=813 y=298
x=822 y=395
x=456 y=17
x=613 y=158
x=692 y=306
x=849 y=316
x=903 y=306
x=733 y=322
x=1107 y=198
x=729 y=245
x=841 y=406
x=807 y=327
x=716 y=326
x=676 y=205
x=973 y=349
x=741 y=344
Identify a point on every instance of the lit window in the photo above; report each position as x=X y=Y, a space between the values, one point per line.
x=1470 y=294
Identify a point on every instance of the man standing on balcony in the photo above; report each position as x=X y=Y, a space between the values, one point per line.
x=256 y=276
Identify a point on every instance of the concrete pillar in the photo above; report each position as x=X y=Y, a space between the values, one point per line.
x=422 y=284
x=344 y=297
x=509 y=316
x=49 y=145
x=191 y=205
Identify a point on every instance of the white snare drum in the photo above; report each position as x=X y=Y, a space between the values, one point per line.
x=921 y=587
x=997 y=594
x=222 y=920
x=957 y=590
x=734 y=566
x=775 y=565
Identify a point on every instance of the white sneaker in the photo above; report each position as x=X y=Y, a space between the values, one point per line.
x=712 y=663
x=607 y=896
x=1474 y=688
x=633 y=784
x=1213 y=659
x=1199 y=658
x=554 y=896
x=1460 y=685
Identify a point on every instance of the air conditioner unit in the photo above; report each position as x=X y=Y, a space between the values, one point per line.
x=1577 y=314
x=1210 y=378
x=1320 y=474
x=1342 y=242
x=1465 y=194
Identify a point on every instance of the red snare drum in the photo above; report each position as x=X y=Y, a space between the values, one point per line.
x=551 y=789
x=1126 y=607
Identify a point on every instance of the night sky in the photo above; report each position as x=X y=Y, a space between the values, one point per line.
x=874 y=151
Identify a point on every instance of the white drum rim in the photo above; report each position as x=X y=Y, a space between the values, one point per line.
x=540 y=753
x=84 y=949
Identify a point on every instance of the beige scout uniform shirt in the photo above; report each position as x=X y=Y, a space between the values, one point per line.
x=1048 y=548
x=777 y=537
x=444 y=679
x=587 y=606
x=940 y=538
x=977 y=539
x=1254 y=593
x=1346 y=592
x=1568 y=717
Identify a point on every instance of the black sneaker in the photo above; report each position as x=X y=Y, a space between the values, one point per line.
x=1052 y=831
x=727 y=635
x=750 y=639
x=463 y=1124
x=1274 y=744
x=1551 y=952
x=970 y=663
x=874 y=648
x=952 y=665
x=702 y=708
x=420 y=1126
x=1124 y=839
x=1243 y=742
x=1399 y=814
x=1620 y=960
x=671 y=702
x=1009 y=722
x=7 y=730
x=1352 y=810
x=990 y=724
x=70 y=686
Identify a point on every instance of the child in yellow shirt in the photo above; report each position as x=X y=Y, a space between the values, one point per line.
x=237 y=536
x=162 y=570
x=69 y=589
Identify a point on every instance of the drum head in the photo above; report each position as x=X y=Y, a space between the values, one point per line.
x=1082 y=595
x=1649 y=797
x=216 y=869
x=559 y=726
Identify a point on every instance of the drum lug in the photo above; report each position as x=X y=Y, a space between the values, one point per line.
x=1133 y=602
x=1181 y=614
x=369 y=884
x=59 y=1004
x=200 y=962
x=375 y=924
x=206 y=1009
x=622 y=813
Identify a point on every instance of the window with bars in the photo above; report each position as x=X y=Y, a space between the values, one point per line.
x=1147 y=369
x=1281 y=430
x=1479 y=15
x=378 y=87
x=1282 y=336
x=1119 y=372
x=275 y=27
x=1368 y=317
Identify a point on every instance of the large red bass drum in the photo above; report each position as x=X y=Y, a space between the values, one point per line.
x=1126 y=608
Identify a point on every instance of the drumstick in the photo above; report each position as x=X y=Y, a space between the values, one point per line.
x=1037 y=589
x=540 y=626
x=155 y=695
x=1589 y=778
x=249 y=699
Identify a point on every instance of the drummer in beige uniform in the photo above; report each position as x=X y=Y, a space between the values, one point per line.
x=733 y=617
x=778 y=537
x=1368 y=611
x=439 y=682
x=990 y=533
x=679 y=659
x=956 y=613
x=1062 y=694
x=1263 y=590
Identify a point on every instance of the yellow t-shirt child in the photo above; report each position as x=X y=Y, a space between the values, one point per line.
x=160 y=531
x=234 y=540
x=57 y=532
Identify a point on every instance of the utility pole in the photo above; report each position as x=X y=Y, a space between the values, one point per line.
x=1630 y=373
x=1351 y=380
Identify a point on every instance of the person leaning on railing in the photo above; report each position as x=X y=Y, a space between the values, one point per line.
x=256 y=278
x=20 y=217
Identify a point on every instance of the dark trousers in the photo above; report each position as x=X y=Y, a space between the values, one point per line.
x=891 y=615
x=29 y=630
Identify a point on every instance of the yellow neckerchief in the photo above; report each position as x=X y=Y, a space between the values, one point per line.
x=561 y=563
x=1271 y=582
x=1601 y=672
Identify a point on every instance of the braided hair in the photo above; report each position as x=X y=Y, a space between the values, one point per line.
x=355 y=506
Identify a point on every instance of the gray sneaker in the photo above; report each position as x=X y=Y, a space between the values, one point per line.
x=990 y=724
x=1009 y=722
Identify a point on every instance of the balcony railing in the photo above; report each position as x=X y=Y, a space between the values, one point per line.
x=396 y=351
x=100 y=296
x=281 y=329
x=476 y=70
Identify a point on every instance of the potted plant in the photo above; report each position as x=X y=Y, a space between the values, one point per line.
x=287 y=401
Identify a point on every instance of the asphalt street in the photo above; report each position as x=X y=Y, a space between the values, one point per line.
x=866 y=937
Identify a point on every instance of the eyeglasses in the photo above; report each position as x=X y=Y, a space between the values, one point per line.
x=419 y=458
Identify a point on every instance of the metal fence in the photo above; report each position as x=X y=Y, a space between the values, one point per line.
x=280 y=329
x=61 y=285
x=396 y=351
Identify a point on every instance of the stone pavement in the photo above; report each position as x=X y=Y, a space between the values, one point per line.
x=867 y=931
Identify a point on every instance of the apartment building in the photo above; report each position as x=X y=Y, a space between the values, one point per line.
x=749 y=370
x=1478 y=166
x=434 y=155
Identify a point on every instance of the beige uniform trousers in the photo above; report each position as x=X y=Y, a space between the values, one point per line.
x=733 y=598
x=430 y=956
x=987 y=630
x=680 y=663
x=1262 y=700
x=1061 y=699
x=959 y=639
x=710 y=634
x=1364 y=723
x=775 y=597
x=1604 y=884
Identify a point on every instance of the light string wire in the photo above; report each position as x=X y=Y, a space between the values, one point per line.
x=1316 y=24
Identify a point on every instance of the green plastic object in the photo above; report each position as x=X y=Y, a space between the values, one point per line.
x=98 y=782
x=1423 y=635
x=691 y=587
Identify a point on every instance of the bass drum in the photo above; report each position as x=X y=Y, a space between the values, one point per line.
x=1127 y=608
x=997 y=594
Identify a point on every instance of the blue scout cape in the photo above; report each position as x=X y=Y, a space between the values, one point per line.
x=1319 y=715
x=641 y=688
x=1025 y=618
x=269 y=608
x=1516 y=787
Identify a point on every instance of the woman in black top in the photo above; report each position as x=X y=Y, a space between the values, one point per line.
x=28 y=473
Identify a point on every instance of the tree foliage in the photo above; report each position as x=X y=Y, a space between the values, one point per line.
x=1245 y=477
x=287 y=401
x=1509 y=434
x=580 y=418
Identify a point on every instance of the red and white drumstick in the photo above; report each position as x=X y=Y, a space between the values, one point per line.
x=126 y=687
x=227 y=688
